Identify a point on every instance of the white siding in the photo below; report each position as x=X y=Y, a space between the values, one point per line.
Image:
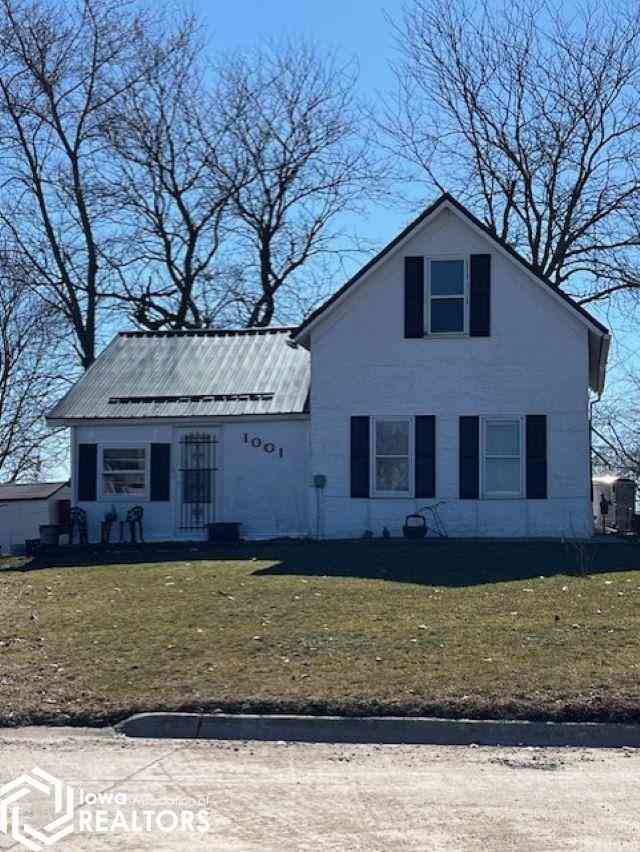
x=263 y=491
x=535 y=362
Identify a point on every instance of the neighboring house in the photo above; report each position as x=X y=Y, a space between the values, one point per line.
x=24 y=506
x=446 y=369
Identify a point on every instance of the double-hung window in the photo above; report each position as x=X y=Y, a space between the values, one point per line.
x=124 y=472
x=446 y=308
x=392 y=440
x=502 y=458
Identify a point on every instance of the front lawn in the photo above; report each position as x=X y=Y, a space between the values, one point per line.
x=480 y=630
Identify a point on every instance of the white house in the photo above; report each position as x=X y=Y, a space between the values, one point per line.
x=25 y=506
x=445 y=370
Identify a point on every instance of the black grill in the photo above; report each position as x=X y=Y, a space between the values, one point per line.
x=197 y=467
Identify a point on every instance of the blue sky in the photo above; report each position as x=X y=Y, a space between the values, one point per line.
x=356 y=28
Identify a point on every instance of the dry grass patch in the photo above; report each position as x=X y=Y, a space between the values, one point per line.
x=473 y=630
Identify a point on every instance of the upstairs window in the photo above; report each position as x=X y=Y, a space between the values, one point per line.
x=446 y=309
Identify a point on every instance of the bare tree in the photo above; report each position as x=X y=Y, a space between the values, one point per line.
x=29 y=378
x=63 y=69
x=533 y=117
x=294 y=122
x=616 y=429
x=174 y=179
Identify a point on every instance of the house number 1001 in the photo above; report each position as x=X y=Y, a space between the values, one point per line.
x=267 y=446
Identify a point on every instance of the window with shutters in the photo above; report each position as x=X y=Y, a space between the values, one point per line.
x=502 y=457
x=124 y=472
x=392 y=456
x=446 y=308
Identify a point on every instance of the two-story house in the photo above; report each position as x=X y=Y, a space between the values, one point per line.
x=445 y=370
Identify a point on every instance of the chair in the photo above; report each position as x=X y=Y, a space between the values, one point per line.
x=78 y=521
x=134 y=519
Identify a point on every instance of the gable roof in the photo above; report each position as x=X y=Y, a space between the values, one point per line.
x=444 y=200
x=191 y=373
x=12 y=491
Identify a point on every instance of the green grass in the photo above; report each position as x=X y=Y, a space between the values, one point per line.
x=479 y=630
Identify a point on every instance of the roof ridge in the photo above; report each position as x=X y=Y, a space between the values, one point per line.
x=208 y=332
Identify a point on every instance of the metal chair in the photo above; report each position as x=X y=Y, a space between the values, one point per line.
x=134 y=519
x=78 y=521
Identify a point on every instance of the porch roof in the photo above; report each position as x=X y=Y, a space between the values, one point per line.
x=191 y=374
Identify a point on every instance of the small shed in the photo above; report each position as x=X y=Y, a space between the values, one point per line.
x=614 y=503
x=24 y=506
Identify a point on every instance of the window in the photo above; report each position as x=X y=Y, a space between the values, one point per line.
x=502 y=461
x=447 y=297
x=124 y=472
x=391 y=442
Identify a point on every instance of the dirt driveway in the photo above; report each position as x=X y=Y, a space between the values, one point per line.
x=262 y=797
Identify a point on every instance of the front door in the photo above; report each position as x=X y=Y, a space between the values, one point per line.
x=196 y=481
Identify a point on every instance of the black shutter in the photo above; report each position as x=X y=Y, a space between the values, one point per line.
x=536 y=456
x=160 y=487
x=87 y=471
x=425 y=455
x=414 y=297
x=469 y=458
x=480 y=295
x=360 y=458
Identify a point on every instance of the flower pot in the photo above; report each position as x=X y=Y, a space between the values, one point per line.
x=415 y=526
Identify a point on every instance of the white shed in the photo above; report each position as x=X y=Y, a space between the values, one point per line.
x=24 y=506
x=619 y=493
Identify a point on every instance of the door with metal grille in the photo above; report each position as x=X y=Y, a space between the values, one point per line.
x=196 y=481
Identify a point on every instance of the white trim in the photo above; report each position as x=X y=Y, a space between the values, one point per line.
x=404 y=418
x=123 y=445
x=502 y=495
x=446 y=205
x=73 y=461
x=428 y=297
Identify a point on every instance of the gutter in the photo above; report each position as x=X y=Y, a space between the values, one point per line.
x=605 y=344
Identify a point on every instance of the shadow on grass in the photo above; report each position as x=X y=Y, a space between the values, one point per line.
x=435 y=563
x=456 y=563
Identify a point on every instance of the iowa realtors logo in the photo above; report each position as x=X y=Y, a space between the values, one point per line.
x=89 y=812
x=12 y=818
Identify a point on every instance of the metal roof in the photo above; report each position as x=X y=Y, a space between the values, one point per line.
x=192 y=374
x=11 y=491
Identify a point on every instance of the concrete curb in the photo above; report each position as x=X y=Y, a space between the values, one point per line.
x=407 y=730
